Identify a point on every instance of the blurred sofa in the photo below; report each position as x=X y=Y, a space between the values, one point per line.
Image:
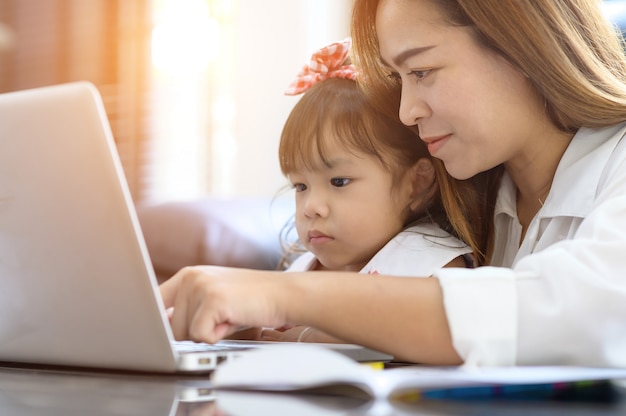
x=235 y=231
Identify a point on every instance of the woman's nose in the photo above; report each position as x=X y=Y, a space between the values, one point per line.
x=412 y=106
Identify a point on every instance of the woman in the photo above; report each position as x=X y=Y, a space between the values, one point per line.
x=532 y=93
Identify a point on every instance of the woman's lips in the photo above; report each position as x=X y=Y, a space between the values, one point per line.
x=435 y=143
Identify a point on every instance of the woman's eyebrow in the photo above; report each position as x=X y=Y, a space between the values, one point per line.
x=409 y=53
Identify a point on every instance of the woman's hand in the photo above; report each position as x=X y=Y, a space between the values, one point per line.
x=210 y=303
x=404 y=317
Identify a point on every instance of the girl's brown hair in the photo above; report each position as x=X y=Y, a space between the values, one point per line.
x=336 y=109
x=573 y=56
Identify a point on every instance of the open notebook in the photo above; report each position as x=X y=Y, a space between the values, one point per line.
x=77 y=285
x=310 y=369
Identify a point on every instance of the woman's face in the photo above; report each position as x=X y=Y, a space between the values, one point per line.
x=473 y=109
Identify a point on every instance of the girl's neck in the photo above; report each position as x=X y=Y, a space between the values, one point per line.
x=319 y=267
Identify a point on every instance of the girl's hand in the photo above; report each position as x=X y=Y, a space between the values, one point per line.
x=299 y=333
x=210 y=303
x=286 y=334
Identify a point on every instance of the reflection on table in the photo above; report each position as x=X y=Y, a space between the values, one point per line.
x=35 y=392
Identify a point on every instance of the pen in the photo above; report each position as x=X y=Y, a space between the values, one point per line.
x=595 y=391
x=376 y=365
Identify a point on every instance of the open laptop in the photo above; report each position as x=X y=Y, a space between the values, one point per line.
x=77 y=286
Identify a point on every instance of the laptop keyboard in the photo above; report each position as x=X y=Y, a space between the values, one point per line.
x=191 y=346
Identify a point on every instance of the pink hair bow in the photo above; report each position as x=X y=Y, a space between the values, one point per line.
x=328 y=62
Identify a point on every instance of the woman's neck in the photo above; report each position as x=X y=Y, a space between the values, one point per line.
x=532 y=171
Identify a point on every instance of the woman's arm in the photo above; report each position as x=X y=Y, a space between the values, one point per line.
x=302 y=333
x=402 y=316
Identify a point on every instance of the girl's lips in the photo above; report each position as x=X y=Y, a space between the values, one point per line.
x=435 y=143
x=317 y=238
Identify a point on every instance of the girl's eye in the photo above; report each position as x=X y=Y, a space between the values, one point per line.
x=299 y=187
x=339 y=182
x=419 y=75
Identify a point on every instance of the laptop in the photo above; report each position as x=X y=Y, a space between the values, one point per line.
x=77 y=284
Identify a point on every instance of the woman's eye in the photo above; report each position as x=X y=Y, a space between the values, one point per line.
x=419 y=75
x=339 y=182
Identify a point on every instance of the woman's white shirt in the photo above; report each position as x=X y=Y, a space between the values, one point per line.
x=560 y=297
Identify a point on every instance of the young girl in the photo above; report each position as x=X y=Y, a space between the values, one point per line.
x=366 y=194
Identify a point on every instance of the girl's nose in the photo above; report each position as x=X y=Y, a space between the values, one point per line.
x=315 y=204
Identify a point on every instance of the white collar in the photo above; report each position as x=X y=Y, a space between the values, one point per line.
x=576 y=179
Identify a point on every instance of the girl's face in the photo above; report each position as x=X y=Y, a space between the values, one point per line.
x=347 y=210
x=473 y=109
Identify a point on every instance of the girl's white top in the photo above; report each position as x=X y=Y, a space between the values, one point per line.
x=419 y=250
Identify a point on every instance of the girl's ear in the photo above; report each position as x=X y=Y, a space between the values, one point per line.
x=422 y=178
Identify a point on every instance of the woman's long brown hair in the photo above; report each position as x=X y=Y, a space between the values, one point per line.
x=573 y=56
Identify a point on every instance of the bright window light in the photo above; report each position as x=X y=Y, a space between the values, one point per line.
x=185 y=38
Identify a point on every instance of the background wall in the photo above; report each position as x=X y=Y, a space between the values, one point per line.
x=217 y=128
x=275 y=38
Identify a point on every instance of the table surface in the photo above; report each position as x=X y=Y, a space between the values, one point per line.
x=41 y=391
